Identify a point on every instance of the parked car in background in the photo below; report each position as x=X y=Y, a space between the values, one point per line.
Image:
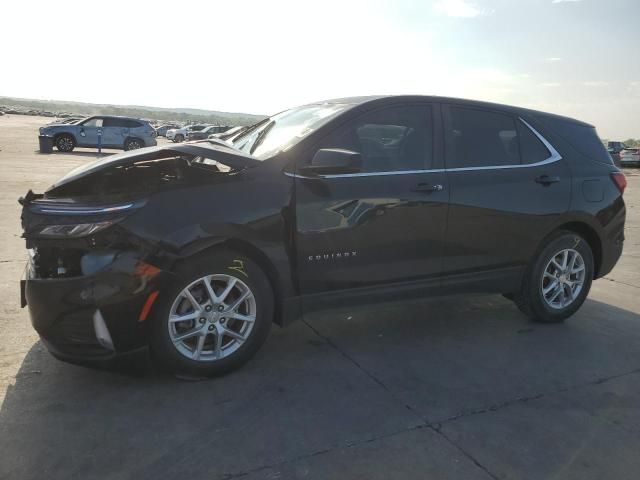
x=229 y=134
x=196 y=249
x=178 y=135
x=105 y=131
x=68 y=120
x=161 y=131
x=630 y=157
x=205 y=132
x=614 y=149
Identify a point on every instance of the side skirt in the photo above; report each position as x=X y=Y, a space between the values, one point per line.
x=502 y=280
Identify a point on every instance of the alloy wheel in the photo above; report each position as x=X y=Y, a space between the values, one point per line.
x=563 y=279
x=212 y=317
x=65 y=144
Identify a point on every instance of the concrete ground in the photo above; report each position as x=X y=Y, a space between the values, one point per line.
x=459 y=387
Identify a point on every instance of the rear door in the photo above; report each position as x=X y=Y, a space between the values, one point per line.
x=115 y=131
x=508 y=187
x=384 y=224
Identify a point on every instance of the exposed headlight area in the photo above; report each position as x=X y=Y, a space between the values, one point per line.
x=74 y=230
x=55 y=262
x=64 y=243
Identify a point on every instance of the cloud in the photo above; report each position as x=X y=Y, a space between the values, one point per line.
x=553 y=59
x=565 y=1
x=489 y=75
x=595 y=83
x=458 y=8
x=551 y=84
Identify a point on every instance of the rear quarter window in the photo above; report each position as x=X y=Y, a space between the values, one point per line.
x=583 y=138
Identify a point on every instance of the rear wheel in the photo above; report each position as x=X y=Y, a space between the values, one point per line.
x=133 y=144
x=214 y=318
x=559 y=279
x=65 y=143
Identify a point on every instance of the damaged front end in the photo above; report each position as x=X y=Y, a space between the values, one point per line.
x=90 y=282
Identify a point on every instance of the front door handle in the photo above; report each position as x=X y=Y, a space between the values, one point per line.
x=547 y=180
x=427 y=188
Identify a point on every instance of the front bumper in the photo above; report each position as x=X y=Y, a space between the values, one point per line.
x=93 y=317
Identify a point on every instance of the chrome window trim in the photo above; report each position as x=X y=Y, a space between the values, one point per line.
x=554 y=157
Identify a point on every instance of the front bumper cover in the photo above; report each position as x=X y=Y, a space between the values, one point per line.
x=92 y=317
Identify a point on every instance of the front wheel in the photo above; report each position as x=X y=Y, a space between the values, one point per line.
x=214 y=318
x=178 y=138
x=558 y=280
x=65 y=143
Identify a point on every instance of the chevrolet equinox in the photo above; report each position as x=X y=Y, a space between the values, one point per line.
x=195 y=249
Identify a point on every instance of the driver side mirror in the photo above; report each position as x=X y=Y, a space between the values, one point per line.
x=333 y=161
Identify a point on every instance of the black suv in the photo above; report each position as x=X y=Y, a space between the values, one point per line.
x=196 y=249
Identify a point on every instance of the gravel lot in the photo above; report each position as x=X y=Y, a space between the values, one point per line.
x=460 y=387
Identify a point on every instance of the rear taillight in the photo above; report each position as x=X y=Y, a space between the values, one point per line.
x=620 y=180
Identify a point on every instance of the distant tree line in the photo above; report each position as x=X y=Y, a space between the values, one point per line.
x=150 y=113
x=629 y=142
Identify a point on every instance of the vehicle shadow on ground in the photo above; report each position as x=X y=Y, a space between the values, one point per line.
x=340 y=377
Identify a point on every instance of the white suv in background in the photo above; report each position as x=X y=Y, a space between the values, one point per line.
x=177 y=135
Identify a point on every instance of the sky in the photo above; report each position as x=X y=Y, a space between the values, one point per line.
x=573 y=57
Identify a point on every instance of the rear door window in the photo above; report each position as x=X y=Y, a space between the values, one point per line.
x=115 y=122
x=478 y=138
x=532 y=149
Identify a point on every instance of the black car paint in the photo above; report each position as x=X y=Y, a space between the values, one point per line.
x=400 y=241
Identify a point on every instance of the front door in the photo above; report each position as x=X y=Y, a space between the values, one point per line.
x=384 y=224
x=88 y=134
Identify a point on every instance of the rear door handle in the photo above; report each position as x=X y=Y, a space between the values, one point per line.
x=427 y=188
x=547 y=180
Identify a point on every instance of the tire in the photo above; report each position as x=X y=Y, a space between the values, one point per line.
x=179 y=138
x=133 y=144
x=200 y=355
x=65 y=143
x=550 y=294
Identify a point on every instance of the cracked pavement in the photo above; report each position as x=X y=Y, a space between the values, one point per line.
x=456 y=387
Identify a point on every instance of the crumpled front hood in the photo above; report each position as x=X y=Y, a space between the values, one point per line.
x=220 y=153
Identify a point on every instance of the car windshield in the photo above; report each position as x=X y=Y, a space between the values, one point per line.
x=285 y=129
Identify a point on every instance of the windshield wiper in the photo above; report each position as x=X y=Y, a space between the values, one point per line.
x=250 y=129
x=222 y=143
x=261 y=136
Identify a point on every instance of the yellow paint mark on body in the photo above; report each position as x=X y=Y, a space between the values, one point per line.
x=238 y=266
